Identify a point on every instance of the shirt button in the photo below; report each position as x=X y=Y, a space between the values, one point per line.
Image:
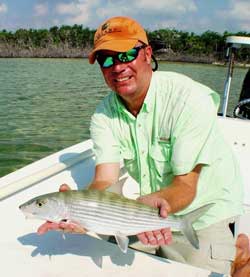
x=139 y=125
x=142 y=152
x=144 y=175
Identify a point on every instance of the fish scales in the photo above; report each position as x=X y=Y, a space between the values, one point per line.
x=124 y=207
x=118 y=212
x=119 y=208
x=136 y=212
x=122 y=219
x=122 y=216
x=113 y=199
x=119 y=221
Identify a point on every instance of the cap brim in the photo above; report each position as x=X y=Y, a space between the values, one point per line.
x=113 y=45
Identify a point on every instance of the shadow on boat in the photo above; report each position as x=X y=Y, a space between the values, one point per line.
x=54 y=243
x=81 y=167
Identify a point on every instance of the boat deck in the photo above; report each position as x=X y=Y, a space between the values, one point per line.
x=24 y=252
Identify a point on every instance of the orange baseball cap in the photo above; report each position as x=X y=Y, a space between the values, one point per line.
x=118 y=34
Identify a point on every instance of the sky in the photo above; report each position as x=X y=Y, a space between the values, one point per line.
x=195 y=16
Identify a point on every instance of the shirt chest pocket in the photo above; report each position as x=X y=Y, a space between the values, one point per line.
x=160 y=158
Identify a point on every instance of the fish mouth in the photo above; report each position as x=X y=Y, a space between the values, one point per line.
x=26 y=213
x=29 y=215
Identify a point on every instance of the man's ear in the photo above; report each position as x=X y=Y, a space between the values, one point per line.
x=148 y=54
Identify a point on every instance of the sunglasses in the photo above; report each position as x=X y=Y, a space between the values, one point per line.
x=106 y=61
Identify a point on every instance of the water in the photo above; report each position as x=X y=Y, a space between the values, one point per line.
x=46 y=104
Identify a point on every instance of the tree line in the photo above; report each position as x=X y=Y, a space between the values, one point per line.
x=76 y=41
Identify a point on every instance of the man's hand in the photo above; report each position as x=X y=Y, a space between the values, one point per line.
x=157 y=237
x=62 y=226
x=241 y=263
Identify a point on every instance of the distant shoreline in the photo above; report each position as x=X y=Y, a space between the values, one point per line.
x=7 y=51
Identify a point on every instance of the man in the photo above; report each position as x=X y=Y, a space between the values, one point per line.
x=164 y=127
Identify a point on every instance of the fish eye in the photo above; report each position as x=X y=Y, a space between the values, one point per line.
x=40 y=203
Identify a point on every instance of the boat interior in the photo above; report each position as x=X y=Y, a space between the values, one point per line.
x=22 y=250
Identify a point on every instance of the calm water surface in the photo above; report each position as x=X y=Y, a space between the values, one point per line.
x=46 y=104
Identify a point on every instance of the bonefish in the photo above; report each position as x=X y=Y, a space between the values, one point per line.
x=108 y=213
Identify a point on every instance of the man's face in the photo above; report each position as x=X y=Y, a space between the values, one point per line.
x=131 y=78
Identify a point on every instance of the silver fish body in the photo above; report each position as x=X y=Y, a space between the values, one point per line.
x=108 y=213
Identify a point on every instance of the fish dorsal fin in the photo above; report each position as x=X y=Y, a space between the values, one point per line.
x=122 y=242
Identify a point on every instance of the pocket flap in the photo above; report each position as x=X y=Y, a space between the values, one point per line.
x=220 y=251
x=160 y=152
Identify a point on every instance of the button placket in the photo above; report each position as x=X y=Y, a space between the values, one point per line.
x=142 y=140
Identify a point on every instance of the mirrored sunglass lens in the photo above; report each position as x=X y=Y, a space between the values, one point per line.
x=128 y=56
x=105 y=61
x=108 y=62
x=133 y=52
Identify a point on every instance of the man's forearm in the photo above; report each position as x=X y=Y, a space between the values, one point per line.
x=178 y=196
x=182 y=191
x=105 y=175
x=100 y=185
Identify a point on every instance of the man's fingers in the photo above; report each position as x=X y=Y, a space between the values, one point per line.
x=242 y=242
x=142 y=238
x=151 y=238
x=164 y=207
x=64 y=187
x=62 y=226
x=163 y=236
x=167 y=234
x=158 y=237
x=156 y=202
x=242 y=250
x=47 y=226
x=147 y=238
x=164 y=210
x=72 y=228
x=242 y=256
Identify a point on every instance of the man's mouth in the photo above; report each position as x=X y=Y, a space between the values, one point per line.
x=122 y=79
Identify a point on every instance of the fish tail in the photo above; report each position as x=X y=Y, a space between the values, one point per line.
x=187 y=224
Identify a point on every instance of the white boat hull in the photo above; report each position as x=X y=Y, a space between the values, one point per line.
x=25 y=253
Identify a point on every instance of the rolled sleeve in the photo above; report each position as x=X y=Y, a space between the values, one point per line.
x=105 y=146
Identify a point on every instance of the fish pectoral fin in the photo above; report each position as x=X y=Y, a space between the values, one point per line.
x=122 y=241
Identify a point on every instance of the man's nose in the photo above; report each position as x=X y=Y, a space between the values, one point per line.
x=118 y=65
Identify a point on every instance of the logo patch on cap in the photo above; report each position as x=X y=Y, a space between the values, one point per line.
x=105 y=29
x=105 y=26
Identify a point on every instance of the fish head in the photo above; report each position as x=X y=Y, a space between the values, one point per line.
x=47 y=207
